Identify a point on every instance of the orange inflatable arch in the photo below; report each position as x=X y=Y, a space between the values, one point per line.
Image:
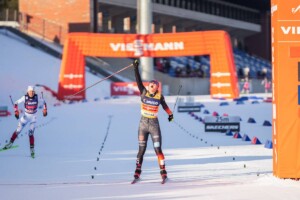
x=216 y=44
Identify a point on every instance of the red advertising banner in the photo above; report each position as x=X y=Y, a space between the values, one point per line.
x=3 y=111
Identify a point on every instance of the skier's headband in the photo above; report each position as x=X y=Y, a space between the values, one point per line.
x=155 y=82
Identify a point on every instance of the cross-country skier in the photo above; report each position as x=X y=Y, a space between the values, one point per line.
x=31 y=104
x=149 y=125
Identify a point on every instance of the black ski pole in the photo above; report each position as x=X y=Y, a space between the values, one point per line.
x=42 y=95
x=180 y=86
x=11 y=100
x=101 y=80
x=12 y=103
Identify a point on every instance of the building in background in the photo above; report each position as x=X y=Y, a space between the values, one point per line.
x=248 y=23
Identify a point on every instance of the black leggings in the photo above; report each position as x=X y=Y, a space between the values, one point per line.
x=150 y=126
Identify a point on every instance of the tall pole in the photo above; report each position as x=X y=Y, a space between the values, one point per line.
x=144 y=27
x=94 y=16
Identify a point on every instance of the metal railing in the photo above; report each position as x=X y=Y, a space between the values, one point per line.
x=217 y=8
x=35 y=25
x=43 y=28
x=9 y=15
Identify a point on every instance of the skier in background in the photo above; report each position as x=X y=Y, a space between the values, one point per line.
x=31 y=104
x=151 y=99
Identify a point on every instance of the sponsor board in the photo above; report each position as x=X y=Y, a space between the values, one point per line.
x=221 y=119
x=189 y=108
x=139 y=46
x=222 y=123
x=221 y=127
x=3 y=111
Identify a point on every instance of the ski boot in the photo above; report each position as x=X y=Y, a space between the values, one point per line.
x=138 y=171
x=164 y=176
x=32 y=152
x=8 y=145
x=137 y=174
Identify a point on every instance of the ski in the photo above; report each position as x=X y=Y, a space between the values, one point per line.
x=164 y=180
x=12 y=147
x=136 y=180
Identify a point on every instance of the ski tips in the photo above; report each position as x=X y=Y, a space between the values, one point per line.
x=164 y=180
x=135 y=180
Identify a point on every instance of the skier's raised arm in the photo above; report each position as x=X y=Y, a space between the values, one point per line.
x=138 y=76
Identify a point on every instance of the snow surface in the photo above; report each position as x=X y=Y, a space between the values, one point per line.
x=87 y=151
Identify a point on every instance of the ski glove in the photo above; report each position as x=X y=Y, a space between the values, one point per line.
x=17 y=114
x=170 y=118
x=136 y=63
x=45 y=112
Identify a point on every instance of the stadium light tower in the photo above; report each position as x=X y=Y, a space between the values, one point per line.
x=144 y=9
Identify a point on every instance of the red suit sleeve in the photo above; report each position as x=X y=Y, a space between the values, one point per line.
x=164 y=105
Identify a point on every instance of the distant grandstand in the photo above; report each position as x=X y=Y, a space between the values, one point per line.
x=199 y=66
